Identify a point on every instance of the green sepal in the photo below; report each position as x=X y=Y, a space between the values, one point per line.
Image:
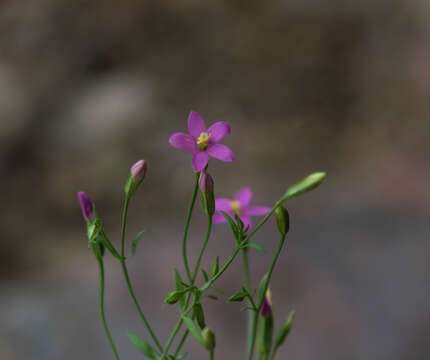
x=98 y=250
x=134 y=244
x=307 y=184
x=238 y=296
x=194 y=331
x=199 y=315
x=265 y=334
x=262 y=289
x=131 y=185
x=208 y=203
x=284 y=331
x=144 y=347
x=215 y=267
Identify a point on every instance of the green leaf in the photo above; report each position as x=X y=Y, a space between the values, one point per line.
x=262 y=289
x=205 y=275
x=194 y=331
x=218 y=290
x=179 y=287
x=215 y=267
x=230 y=221
x=135 y=243
x=238 y=296
x=307 y=184
x=212 y=297
x=199 y=315
x=257 y=246
x=143 y=346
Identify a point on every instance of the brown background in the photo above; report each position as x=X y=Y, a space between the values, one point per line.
x=89 y=87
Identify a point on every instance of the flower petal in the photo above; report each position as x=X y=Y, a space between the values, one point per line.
x=221 y=152
x=246 y=222
x=244 y=196
x=199 y=160
x=183 y=141
x=219 y=130
x=223 y=204
x=256 y=210
x=218 y=218
x=196 y=124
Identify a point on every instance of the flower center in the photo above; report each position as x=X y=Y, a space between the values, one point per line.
x=203 y=139
x=235 y=205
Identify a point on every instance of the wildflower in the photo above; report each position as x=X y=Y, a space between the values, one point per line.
x=137 y=174
x=206 y=185
x=86 y=206
x=239 y=206
x=202 y=142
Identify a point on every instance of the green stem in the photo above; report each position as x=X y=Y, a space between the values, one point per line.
x=102 y=308
x=187 y=225
x=127 y=277
x=193 y=279
x=247 y=277
x=205 y=243
x=255 y=315
x=211 y=355
x=181 y=343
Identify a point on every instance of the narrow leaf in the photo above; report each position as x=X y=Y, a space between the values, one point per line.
x=194 y=331
x=257 y=246
x=199 y=315
x=205 y=275
x=230 y=221
x=239 y=296
x=143 y=346
x=215 y=267
x=135 y=243
x=179 y=287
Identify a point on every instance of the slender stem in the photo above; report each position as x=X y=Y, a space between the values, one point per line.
x=247 y=277
x=255 y=315
x=187 y=225
x=172 y=338
x=102 y=308
x=127 y=277
x=181 y=343
x=211 y=355
x=175 y=332
x=205 y=243
x=224 y=268
x=193 y=278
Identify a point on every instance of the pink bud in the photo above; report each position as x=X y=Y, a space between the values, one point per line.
x=138 y=170
x=86 y=205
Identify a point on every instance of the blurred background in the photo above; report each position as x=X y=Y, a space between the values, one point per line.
x=89 y=87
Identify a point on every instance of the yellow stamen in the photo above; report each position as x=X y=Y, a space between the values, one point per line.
x=235 y=205
x=203 y=138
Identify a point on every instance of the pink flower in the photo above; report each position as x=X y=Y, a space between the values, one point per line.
x=202 y=142
x=240 y=206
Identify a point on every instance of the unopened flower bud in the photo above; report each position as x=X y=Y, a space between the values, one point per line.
x=206 y=185
x=265 y=325
x=86 y=206
x=282 y=220
x=138 y=170
x=173 y=297
x=208 y=338
x=137 y=174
